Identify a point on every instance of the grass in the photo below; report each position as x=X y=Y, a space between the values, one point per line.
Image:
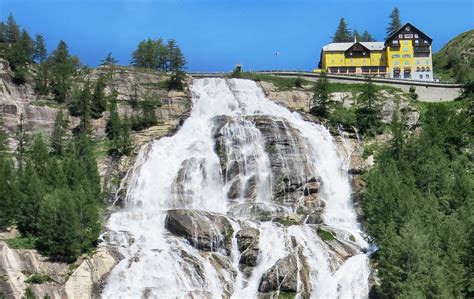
x=325 y=235
x=38 y=278
x=358 y=87
x=281 y=83
x=23 y=242
x=286 y=295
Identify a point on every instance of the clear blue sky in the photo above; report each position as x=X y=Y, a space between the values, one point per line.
x=216 y=34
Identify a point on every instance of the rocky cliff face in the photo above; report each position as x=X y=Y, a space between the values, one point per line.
x=82 y=279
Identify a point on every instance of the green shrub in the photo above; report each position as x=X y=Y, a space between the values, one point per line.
x=325 y=235
x=38 y=278
x=23 y=242
x=343 y=116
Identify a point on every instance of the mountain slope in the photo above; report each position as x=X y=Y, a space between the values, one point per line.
x=456 y=59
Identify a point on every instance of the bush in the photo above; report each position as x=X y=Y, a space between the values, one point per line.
x=176 y=82
x=299 y=82
x=343 y=116
x=23 y=242
x=38 y=278
x=412 y=93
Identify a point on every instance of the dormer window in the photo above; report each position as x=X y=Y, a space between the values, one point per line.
x=416 y=35
x=425 y=42
x=400 y=36
x=417 y=41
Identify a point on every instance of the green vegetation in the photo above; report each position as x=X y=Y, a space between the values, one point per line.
x=325 y=235
x=343 y=34
x=321 y=97
x=455 y=61
x=419 y=206
x=395 y=22
x=118 y=130
x=281 y=83
x=368 y=110
x=23 y=242
x=52 y=193
x=154 y=54
x=38 y=278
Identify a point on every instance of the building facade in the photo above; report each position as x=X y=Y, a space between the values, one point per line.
x=404 y=54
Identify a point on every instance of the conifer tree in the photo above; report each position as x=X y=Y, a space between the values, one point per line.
x=22 y=141
x=342 y=33
x=99 y=102
x=27 y=46
x=8 y=191
x=113 y=123
x=321 y=96
x=40 y=52
x=109 y=60
x=366 y=37
x=395 y=22
x=63 y=67
x=12 y=30
x=368 y=109
x=58 y=135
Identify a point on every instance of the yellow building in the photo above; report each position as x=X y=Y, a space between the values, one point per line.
x=404 y=54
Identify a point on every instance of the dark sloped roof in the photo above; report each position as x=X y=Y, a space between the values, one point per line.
x=412 y=28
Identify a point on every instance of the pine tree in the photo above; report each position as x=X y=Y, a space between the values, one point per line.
x=176 y=60
x=59 y=133
x=99 y=102
x=109 y=60
x=395 y=22
x=113 y=122
x=22 y=141
x=368 y=109
x=40 y=53
x=63 y=67
x=27 y=45
x=366 y=37
x=8 y=191
x=321 y=96
x=41 y=78
x=12 y=30
x=342 y=33
x=85 y=105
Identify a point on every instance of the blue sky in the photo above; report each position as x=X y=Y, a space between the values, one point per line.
x=217 y=34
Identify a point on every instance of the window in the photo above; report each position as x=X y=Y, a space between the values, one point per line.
x=417 y=42
x=416 y=35
x=332 y=60
x=421 y=76
x=400 y=36
x=417 y=62
x=405 y=49
x=396 y=62
x=341 y=60
x=427 y=76
x=427 y=62
x=364 y=60
x=395 y=55
x=405 y=42
x=406 y=62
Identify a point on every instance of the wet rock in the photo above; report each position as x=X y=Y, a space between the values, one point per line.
x=204 y=230
x=284 y=275
x=247 y=242
x=261 y=211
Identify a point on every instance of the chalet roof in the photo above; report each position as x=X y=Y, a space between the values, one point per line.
x=410 y=28
x=372 y=46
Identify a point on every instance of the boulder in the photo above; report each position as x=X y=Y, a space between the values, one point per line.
x=203 y=230
x=87 y=280
x=247 y=242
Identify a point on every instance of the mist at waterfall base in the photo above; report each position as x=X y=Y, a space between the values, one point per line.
x=185 y=172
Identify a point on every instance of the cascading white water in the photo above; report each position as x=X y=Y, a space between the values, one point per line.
x=185 y=172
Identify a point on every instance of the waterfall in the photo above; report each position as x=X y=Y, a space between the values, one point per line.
x=246 y=200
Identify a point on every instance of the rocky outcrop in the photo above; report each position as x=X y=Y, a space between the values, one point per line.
x=247 y=242
x=86 y=281
x=284 y=276
x=203 y=230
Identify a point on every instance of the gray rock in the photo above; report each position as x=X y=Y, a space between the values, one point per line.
x=205 y=231
x=247 y=241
